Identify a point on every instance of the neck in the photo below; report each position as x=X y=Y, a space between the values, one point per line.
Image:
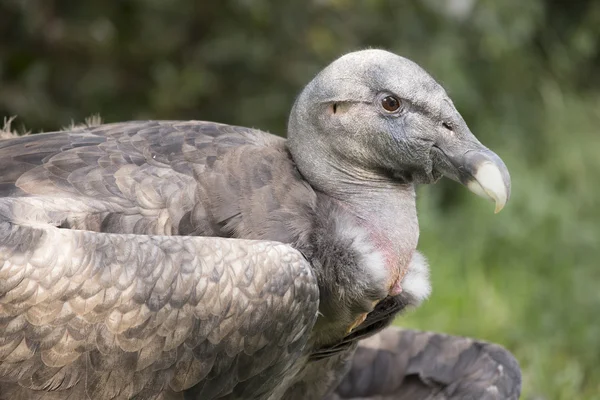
x=380 y=205
x=386 y=210
x=380 y=222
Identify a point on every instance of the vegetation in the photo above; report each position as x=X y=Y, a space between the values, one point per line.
x=525 y=75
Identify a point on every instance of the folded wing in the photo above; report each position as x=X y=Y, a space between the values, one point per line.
x=100 y=315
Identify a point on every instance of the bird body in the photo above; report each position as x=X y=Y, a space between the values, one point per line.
x=172 y=259
x=161 y=180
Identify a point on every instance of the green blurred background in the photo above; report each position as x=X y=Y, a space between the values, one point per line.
x=524 y=74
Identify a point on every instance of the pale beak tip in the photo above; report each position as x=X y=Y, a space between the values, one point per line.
x=499 y=207
x=493 y=184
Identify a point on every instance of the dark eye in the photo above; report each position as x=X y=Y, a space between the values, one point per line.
x=390 y=103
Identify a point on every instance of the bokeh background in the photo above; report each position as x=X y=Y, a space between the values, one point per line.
x=524 y=74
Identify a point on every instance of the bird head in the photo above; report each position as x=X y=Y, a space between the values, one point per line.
x=372 y=114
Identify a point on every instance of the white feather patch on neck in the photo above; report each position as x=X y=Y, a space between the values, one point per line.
x=371 y=259
x=416 y=281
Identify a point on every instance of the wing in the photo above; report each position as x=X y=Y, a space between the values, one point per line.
x=404 y=364
x=97 y=315
x=159 y=177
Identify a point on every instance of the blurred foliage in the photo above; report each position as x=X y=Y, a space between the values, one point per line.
x=525 y=75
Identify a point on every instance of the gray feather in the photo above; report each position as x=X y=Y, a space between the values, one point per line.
x=403 y=364
x=105 y=354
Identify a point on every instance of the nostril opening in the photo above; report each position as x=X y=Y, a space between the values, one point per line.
x=447 y=126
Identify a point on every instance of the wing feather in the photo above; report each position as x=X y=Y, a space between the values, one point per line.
x=405 y=364
x=127 y=314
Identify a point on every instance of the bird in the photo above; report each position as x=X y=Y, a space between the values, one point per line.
x=199 y=260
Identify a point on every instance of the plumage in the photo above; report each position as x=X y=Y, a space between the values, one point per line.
x=430 y=365
x=172 y=259
x=142 y=321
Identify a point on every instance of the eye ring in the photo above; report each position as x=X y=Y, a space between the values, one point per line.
x=390 y=103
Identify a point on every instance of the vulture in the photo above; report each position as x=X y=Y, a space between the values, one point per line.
x=197 y=260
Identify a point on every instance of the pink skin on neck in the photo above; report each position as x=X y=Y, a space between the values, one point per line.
x=393 y=262
x=396 y=257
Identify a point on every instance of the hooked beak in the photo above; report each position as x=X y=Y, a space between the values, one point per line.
x=480 y=170
x=488 y=177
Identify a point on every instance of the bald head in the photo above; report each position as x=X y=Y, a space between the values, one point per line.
x=358 y=75
x=373 y=115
